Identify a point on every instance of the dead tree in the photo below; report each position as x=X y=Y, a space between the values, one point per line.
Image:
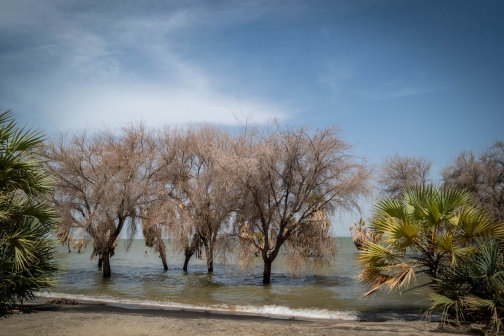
x=483 y=177
x=400 y=172
x=193 y=182
x=288 y=178
x=103 y=183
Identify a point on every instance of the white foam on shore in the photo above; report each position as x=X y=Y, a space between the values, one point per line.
x=267 y=310
x=312 y=313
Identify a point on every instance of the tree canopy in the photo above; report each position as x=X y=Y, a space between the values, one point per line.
x=482 y=176
x=291 y=182
x=399 y=172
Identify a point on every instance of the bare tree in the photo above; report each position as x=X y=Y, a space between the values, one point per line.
x=400 y=172
x=103 y=183
x=204 y=205
x=483 y=177
x=291 y=182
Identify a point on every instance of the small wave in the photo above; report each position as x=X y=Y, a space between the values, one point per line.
x=312 y=313
x=267 y=310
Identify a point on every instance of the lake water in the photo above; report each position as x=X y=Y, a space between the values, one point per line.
x=138 y=279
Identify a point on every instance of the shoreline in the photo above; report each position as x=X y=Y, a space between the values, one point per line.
x=105 y=319
x=195 y=309
x=268 y=310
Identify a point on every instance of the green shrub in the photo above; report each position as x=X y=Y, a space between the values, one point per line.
x=472 y=291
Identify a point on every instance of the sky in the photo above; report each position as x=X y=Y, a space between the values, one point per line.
x=417 y=78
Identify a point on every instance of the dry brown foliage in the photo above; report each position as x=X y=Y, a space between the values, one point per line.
x=79 y=244
x=400 y=172
x=64 y=236
x=361 y=234
x=483 y=177
x=272 y=188
x=194 y=185
x=290 y=182
x=103 y=183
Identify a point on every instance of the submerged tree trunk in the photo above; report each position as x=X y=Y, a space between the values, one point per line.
x=108 y=250
x=162 y=254
x=188 y=255
x=209 y=254
x=191 y=249
x=106 y=265
x=100 y=262
x=267 y=271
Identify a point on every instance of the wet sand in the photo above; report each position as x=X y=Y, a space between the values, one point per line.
x=101 y=319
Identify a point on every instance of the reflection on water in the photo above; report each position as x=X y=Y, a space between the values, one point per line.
x=138 y=278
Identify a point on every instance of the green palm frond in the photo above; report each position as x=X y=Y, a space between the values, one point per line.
x=472 y=289
x=26 y=250
x=460 y=253
x=474 y=223
x=451 y=199
x=444 y=243
x=376 y=255
x=440 y=233
x=389 y=207
x=22 y=244
x=401 y=233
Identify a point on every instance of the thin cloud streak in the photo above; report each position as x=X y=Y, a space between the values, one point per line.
x=406 y=92
x=341 y=79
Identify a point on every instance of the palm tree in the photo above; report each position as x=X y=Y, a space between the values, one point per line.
x=473 y=290
x=422 y=232
x=361 y=234
x=26 y=250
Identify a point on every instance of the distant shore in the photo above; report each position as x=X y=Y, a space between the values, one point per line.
x=102 y=319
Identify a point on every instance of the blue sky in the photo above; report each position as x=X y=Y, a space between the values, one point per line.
x=412 y=77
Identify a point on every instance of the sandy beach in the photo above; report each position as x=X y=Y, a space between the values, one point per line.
x=101 y=319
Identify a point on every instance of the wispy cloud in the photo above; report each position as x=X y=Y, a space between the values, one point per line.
x=343 y=77
x=96 y=68
x=404 y=91
x=336 y=74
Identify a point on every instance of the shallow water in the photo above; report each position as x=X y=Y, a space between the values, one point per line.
x=138 y=278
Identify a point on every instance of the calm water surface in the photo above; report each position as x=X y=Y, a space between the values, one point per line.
x=138 y=279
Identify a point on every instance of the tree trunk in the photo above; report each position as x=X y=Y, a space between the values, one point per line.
x=109 y=248
x=191 y=249
x=106 y=265
x=188 y=256
x=209 y=255
x=267 y=272
x=69 y=251
x=163 y=259
x=162 y=254
x=100 y=261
